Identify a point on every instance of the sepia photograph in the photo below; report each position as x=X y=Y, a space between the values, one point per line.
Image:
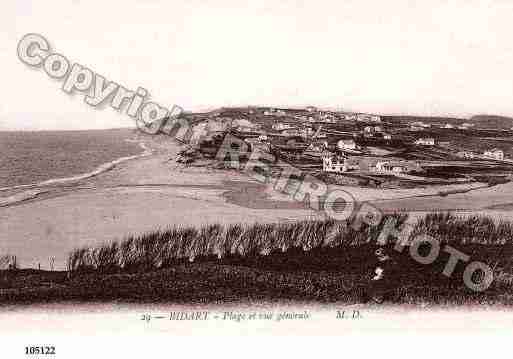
x=278 y=167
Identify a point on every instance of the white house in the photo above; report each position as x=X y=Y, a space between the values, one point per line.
x=346 y=145
x=448 y=125
x=368 y=118
x=279 y=126
x=465 y=126
x=326 y=116
x=318 y=146
x=466 y=154
x=331 y=164
x=246 y=128
x=390 y=167
x=425 y=142
x=396 y=167
x=291 y=132
x=363 y=117
x=387 y=136
x=495 y=154
x=420 y=124
x=263 y=138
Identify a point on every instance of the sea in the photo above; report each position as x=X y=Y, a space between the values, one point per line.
x=31 y=157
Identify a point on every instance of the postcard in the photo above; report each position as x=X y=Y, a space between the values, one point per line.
x=310 y=168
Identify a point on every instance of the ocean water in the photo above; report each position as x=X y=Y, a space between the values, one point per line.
x=33 y=157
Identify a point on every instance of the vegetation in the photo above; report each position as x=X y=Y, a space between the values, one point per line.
x=315 y=260
x=164 y=248
x=449 y=228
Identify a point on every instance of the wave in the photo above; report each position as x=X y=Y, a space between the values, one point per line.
x=98 y=170
x=21 y=197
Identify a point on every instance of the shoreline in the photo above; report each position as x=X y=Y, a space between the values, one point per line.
x=149 y=191
x=95 y=172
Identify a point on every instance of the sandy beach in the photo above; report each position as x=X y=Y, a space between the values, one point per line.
x=153 y=191
x=135 y=196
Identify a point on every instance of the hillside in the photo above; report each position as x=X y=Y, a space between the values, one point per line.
x=302 y=261
x=492 y=121
x=404 y=119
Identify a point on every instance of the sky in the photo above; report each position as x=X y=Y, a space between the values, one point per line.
x=443 y=58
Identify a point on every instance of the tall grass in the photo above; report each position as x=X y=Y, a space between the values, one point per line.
x=163 y=248
x=7 y=261
x=449 y=228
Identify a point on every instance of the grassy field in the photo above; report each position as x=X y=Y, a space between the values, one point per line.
x=313 y=261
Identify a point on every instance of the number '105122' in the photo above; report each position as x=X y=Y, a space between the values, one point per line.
x=42 y=350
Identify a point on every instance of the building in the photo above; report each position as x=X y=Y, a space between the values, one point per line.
x=363 y=117
x=318 y=146
x=396 y=167
x=246 y=129
x=372 y=129
x=306 y=132
x=425 y=142
x=389 y=167
x=330 y=118
x=466 y=154
x=291 y=132
x=332 y=164
x=279 y=126
x=368 y=134
x=465 y=126
x=420 y=124
x=448 y=125
x=347 y=145
x=387 y=136
x=263 y=138
x=495 y=154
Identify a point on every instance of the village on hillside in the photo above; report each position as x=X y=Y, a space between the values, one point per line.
x=358 y=148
